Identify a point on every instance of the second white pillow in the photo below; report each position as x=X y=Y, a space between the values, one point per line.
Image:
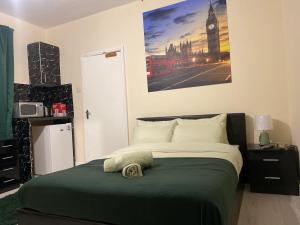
x=211 y=130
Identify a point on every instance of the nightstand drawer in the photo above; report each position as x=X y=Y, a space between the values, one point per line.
x=262 y=167
x=268 y=168
x=9 y=172
x=265 y=156
x=8 y=149
x=8 y=160
x=7 y=182
x=267 y=178
x=275 y=187
x=8 y=142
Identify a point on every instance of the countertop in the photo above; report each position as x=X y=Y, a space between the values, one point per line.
x=47 y=120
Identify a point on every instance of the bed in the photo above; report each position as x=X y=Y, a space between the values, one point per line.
x=176 y=190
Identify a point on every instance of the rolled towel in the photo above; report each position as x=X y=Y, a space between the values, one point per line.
x=132 y=170
x=117 y=163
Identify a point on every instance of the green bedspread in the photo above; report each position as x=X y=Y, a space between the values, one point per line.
x=175 y=191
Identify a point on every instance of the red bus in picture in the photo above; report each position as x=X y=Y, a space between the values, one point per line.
x=159 y=65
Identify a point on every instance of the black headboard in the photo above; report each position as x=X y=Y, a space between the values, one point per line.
x=236 y=127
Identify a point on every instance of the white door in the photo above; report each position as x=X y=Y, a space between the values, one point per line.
x=105 y=107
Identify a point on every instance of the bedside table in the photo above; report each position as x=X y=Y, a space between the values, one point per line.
x=9 y=165
x=274 y=170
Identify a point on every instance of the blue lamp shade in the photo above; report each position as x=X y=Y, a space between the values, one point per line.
x=263 y=122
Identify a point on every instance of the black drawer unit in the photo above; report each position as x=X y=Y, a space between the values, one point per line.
x=43 y=64
x=9 y=165
x=274 y=170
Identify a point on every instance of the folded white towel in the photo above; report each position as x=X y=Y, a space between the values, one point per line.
x=117 y=163
x=132 y=170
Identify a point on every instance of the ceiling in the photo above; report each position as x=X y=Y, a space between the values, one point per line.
x=49 y=13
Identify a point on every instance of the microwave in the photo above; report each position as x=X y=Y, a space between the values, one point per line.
x=28 y=109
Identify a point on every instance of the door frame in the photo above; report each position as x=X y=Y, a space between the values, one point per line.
x=101 y=52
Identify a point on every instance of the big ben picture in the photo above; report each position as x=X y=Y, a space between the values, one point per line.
x=187 y=45
x=213 y=34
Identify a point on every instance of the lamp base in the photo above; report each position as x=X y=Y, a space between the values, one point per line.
x=264 y=138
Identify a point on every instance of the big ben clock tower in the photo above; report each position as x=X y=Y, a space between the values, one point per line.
x=213 y=37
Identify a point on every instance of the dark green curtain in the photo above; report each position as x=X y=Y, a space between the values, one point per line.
x=6 y=81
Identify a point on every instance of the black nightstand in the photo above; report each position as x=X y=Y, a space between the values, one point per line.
x=274 y=170
x=9 y=165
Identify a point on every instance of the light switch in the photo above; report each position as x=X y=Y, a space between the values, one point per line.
x=78 y=90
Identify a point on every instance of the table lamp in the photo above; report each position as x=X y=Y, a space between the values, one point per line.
x=263 y=123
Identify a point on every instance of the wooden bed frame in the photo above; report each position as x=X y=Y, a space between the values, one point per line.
x=236 y=131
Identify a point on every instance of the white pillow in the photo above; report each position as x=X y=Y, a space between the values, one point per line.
x=211 y=130
x=192 y=133
x=153 y=132
x=156 y=123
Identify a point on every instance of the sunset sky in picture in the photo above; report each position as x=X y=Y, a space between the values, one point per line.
x=181 y=22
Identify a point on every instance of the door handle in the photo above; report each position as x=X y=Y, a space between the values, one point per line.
x=87 y=112
x=272 y=178
x=8 y=157
x=270 y=160
x=8 y=169
x=6 y=146
x=8 y=181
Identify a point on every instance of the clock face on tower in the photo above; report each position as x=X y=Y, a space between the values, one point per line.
x=211 y=26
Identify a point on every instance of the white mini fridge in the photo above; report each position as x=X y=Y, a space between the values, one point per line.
x=52 y=148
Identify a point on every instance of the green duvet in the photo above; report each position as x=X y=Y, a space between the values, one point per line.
x=175 y=191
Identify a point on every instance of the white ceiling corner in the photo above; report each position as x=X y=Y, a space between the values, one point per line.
x=50 y=13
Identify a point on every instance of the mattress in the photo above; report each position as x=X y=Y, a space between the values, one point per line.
x=189 y=189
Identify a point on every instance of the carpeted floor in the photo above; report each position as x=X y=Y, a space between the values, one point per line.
x=8 y=210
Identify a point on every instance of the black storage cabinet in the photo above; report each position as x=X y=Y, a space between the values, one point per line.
x=44 y=64
x=9 y=165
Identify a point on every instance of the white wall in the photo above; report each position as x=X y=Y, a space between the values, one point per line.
x=258 y=66
x=291 y=30
x=264 y=47
x=24 y=33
